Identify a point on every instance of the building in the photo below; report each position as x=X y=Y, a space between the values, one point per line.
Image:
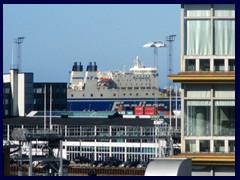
x=98 y=137
x=207 y=79
x=17 y=93
x=59 y=96
x=21 y=94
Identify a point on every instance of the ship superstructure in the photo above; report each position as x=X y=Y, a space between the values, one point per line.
x=111 y=90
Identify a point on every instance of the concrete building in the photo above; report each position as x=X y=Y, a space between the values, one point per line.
x=207 y=79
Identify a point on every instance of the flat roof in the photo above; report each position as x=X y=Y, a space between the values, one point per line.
x=203 y=77
x=79 y=121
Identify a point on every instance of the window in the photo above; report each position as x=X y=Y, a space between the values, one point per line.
x=221 y=10
x=6 y=101
x=224 y=37
x=231 y=65
x=190 y=146
x=204 y=145
x=197 y=118
x=219 y=146
x=224 y=118
x=197 y=37
x=6 y=112
x=7 y=90
x=219 y=65
x=224 y=91
x=198 y=91
x=197 y=10
x=204 y=65
x=190 y=65
x=39 y=90
x=231 y=146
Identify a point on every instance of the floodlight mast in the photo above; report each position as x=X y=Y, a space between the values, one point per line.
x=19 y=41
x=155 y=46
x=170 y=39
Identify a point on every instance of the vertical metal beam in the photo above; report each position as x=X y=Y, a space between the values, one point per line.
x=50 y=121
x=176 y=123
x=30 y=159
x=20 y=161
x=60 y=159
x=45 y=106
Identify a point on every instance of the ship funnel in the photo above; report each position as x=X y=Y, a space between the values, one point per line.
x=74 y=68
x=80 y=66
x=95 y=66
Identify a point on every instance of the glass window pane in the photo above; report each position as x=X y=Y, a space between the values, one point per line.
x=231 y=65
x=197 y=37
x=204 y=65
x=231 y=146
x=224 y=37
x=198 y=91
x=224 y=10
x=190 y=146
x=219 y=65
x=224 y=91
x=197 y=118
x=224 y=118
x=190 y=65
x=197 y=10
x=204 y=145
x=219 y=146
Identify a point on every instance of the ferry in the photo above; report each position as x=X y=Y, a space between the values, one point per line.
x=95 y=90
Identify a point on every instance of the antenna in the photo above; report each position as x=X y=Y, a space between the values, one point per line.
x=19 y=41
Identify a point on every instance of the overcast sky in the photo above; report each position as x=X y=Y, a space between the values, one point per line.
x=111 y=35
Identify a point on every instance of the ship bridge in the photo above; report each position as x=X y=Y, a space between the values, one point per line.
x=138 y=68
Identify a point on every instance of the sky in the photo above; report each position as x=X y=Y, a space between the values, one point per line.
x=56 y=36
